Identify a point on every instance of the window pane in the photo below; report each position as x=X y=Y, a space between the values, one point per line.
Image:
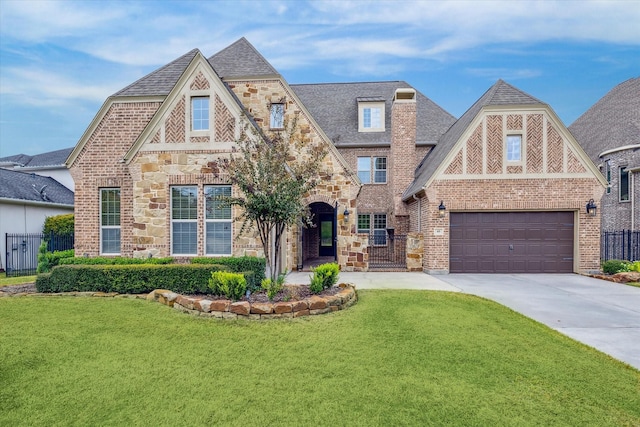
x=184 y=202
x=110 y=206
x=364 y=169
x=364 y=222
x=380 y=221
x=184 y=239
x=366 y=117
x=380 y=229
x=213 y=204
x=380 y=174
x=514 y=143
x=376 y=121
x=110 y=241
x=608 y=173
x=218 y=238
x=277 y=116
x=200 y=113
x=624 y=184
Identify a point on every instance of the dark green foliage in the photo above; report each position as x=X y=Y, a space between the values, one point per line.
x=324 y=276
x=253 y=268
x=128 y=279
x=614 y=266
x=115 y=261
x=231 y=285
x=48 y=260
x=59 y=224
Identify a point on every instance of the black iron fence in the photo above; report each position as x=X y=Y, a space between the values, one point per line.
x=387 y=251
x=22 y=251
x=623 y=244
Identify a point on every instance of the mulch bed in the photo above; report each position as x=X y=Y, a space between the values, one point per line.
x=287 y=294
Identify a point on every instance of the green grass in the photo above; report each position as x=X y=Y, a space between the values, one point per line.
x=395 y=358
x=20 y=280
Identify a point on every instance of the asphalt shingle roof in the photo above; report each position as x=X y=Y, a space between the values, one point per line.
x=334 y=106
x=612 y=122
x=161 y=81
x=51 y=158
x=32 y=187
x=500 y=94
x=241 y=59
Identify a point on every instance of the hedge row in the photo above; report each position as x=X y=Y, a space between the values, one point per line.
x=114 y=261
x=130 y=279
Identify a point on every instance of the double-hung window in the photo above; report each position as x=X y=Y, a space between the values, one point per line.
x=379 y=231
x=624 y=184
x=514 y=148
x=200 y=113
x=184 y=220
x=110 y=221
x=218 y=220
x=372 y=169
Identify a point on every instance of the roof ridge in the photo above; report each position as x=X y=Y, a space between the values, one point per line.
x=349 y=83
x=220 y=64
x=158 y=70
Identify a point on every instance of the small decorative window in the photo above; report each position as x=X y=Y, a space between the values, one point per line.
x=364 y=223
x=110 y=221
x=371 y=115
x=624 y=184
x=200 y=113
x=184 y=220
x=514 y=148
x=276 y=116
x=372 y=169
x=218 y=220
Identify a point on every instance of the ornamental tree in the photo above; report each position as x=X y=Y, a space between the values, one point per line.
x=273 y=171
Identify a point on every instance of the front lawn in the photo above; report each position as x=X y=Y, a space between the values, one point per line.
x=395 y=358
x=20 y=280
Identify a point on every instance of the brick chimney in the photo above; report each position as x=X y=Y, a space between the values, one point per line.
x=403 y=147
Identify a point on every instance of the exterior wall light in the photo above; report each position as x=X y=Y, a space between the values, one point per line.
x=442 y=209
x=346 y=215
x=592 y=209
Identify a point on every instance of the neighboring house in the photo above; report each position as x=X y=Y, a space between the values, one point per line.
x=46 y=164
x=26 y=200
x=609 y=132
x=146 y=172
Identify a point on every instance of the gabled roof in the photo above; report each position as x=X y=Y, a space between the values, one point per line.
x=500 y=94
x=334 y=106
x=50 y=159
x=241 y=59
x=161 y=81
x=612 y=122
x=33 y=188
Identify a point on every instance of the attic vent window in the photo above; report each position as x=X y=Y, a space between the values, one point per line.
x=371 y=114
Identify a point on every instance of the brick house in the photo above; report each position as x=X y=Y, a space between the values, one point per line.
x=609 y=132
x=146 y=172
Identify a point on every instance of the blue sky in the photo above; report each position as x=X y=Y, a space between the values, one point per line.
x=59 y=60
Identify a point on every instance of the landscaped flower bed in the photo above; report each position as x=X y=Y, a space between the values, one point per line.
x=338 y=299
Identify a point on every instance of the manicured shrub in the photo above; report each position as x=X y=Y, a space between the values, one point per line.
x=59 y=224
x=48 y=260
x=634 y=266
x=243 y=265
x=231 y=285
x=324 y=276
x=114 y=261
x=132 y=279
x=614 y=266
x=273 y=287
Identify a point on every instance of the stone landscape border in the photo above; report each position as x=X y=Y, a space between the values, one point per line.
x=227 y=309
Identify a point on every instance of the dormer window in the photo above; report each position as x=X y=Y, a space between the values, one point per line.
x=276 y=116
x=200 y=113
x=371 y=114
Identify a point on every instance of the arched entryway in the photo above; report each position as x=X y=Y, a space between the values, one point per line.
x=318 y=240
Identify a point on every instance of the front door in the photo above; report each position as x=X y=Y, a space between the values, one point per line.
x=327 y=236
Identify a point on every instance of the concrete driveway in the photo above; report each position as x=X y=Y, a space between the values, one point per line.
x=601 y=314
